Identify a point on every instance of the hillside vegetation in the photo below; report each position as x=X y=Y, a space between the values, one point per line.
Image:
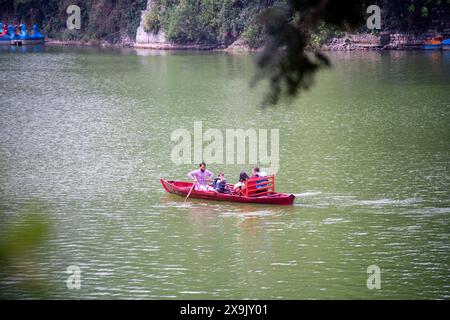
x=210 y=21
x=194 y=21
x=110 y=20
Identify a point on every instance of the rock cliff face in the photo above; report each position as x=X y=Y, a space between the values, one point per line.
x=149 y=39
x=387 y=38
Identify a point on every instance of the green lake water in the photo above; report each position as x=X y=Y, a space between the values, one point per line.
x=87 y=134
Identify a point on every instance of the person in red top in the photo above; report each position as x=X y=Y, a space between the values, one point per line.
x=256 y=174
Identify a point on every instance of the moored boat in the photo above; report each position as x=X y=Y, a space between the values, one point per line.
x=18 y=35
x=261 y=191
x=445 y=44
x=432 y=44
x=23 y=38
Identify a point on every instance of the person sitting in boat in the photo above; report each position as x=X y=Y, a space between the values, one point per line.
x=201 y=177
x=259 y=174
x=220 y=184
x=240 y=186
x=216 y=180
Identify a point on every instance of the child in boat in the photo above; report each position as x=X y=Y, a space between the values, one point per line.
x=220 y=184
x=240 y=186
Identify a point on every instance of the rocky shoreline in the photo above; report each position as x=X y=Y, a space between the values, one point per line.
x=172 y=46
x=383 y=41
x=349 y=42
x=152 y=46
x=88 y=43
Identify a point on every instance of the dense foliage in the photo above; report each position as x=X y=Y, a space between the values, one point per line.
x=222 y=21
x=211 y=21
x=100 y=19
x=188 y=21
x=413 y=14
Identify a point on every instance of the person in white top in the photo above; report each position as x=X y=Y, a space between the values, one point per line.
x=201 y=176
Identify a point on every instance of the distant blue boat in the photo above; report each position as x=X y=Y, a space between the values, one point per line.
x=432 y=44
x=446 y=44
x=19 y=35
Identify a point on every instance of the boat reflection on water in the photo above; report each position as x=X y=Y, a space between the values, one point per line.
x=253 y=228
x=36 y=48
x=446 y=55
x=208 y=207
x=248 y=217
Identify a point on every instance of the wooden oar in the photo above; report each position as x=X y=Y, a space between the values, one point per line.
x=193 y=185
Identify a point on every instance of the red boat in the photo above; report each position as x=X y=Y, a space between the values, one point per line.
x=260 y=191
